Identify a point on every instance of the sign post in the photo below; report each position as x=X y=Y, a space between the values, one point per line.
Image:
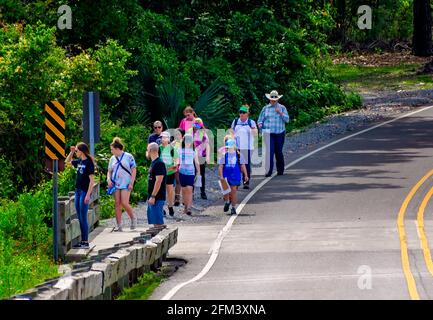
x=55 y=144
x=55 y=211
x=91 y=120
x=91 y=124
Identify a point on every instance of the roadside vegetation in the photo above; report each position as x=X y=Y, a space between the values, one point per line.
x=143 y=289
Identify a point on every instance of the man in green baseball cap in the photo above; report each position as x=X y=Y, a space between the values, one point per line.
x=244 y=130
x=244 y=109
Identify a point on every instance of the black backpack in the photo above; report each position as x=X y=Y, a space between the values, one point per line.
x=236 y=123
x=238 y=156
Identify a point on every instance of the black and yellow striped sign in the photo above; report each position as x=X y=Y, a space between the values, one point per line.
x=55 y=130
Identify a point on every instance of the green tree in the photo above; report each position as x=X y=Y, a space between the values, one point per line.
x=33 y=69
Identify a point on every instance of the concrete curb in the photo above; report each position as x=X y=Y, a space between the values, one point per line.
x=110 y=271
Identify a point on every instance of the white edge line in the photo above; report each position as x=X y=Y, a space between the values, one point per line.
x=221 y=235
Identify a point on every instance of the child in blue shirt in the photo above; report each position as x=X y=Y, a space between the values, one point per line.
x=230 y=166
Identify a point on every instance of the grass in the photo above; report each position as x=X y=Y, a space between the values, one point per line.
x=147 y=283
x=381 y=78
x=24 y=271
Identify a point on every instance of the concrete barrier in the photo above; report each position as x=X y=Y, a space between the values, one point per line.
x=108 y=273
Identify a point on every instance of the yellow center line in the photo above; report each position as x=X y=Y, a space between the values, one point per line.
x=410 y=280
x=422 y=235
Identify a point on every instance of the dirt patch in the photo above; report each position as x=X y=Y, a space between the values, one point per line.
x=381 y=59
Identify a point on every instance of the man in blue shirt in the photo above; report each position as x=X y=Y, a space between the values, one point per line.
x=272 y=121
x=156 y=135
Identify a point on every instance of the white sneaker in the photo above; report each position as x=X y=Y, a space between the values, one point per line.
x=134 y=223
x=117 y=228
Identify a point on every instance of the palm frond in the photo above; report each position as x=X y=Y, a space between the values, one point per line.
x=171 y=98
x=212 y=106
x=141 y=104
x=142 y=114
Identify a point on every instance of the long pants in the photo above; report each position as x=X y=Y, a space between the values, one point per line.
x=275 y=148
x=82 y=210
x=247 y=156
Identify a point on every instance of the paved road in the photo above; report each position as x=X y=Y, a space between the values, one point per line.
x=320 y=230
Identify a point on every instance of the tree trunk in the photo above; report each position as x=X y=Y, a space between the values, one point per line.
x=422 y=28
x=341 y=20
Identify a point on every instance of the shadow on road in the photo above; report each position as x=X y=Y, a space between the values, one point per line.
x=364 y=157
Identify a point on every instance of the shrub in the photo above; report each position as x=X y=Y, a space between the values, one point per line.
x=25 y=244
x=139 y=193
x=20 y=271
x=106 y=204
x=7 y=185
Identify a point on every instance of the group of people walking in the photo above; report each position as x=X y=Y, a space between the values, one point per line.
x=178 y=164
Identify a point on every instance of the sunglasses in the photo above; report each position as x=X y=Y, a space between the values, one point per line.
x=242 y=112
x=157 y=127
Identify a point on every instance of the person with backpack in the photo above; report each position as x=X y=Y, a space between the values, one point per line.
x=120 y=177
x=244 y=129
x=231 y=164
x=83 y=187
x=170 y=157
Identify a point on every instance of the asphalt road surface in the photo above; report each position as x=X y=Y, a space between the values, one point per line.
x=330 y=229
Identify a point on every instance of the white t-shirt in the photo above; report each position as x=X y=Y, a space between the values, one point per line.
x=244 y=135
x=123 y=178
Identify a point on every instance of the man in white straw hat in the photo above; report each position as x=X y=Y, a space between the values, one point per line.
x=272 y=121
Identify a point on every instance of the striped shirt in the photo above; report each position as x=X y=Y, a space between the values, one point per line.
x=271 y=120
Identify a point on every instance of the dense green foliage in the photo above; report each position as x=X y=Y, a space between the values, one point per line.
x=392 y=24
x=34 y=69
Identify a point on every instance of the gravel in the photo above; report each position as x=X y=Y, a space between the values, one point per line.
x=377 y=107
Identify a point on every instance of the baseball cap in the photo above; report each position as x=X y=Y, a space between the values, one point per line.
x=165 y=134
x=230 y=143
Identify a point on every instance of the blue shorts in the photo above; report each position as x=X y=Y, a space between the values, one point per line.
x=186 y=180
x=155 y=213
x=233 y=183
